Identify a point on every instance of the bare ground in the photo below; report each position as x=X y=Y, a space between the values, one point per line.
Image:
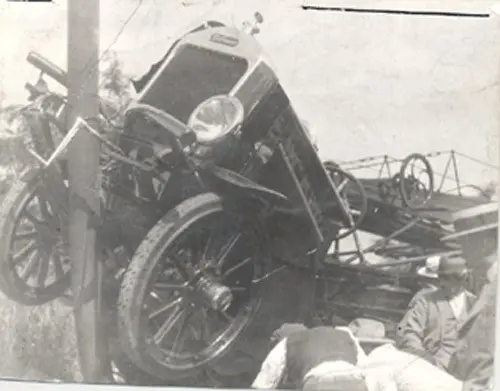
x=38 y=343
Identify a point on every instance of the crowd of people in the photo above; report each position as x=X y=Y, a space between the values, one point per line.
x=445 y=341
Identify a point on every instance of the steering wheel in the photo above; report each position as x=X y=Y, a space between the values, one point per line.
x=348 y=186
x=416 y=185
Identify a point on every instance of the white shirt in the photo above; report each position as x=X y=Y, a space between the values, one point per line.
x=273 y=368
x=459 y=304
x=390 y=369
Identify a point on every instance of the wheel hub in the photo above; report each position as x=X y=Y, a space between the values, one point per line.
x=216 y=294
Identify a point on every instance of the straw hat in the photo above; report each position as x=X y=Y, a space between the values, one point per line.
x=437 y=266
x=286 y=330
x=369 y=331
x=479 y=218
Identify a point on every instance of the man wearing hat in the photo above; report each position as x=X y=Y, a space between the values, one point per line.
x=476 y=230
x=429 y=328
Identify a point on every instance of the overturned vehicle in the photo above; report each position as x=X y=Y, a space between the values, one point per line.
x=217 y=216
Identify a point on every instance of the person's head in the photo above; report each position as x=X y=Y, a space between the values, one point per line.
x=476 y=231
x=453 y=275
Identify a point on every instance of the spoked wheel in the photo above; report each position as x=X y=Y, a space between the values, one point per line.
x=35 y=267
x=416 y=181
x=188 y=293
x=191 y=294
x=353 y=197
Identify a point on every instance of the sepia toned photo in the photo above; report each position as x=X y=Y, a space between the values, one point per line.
x=270 y=194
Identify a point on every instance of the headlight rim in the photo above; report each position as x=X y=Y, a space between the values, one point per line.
x=234 y=124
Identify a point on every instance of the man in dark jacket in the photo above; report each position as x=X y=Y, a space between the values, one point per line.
x=429 y=328
x=471 y=364
x=476 y=231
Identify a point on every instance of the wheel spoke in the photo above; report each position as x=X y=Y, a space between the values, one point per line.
x=165 y=307
x=31 y=234
x=31 y=217
x=170 y=286
x=206 y=248
x=413 y=165
x=343 y=184
x=168 y=325
x=24 y=253
x=155 y=296
x=180 y=336
x=58 y=268
x=205 y=326
x=227 y=249
x=44 y=210
x=237 y=266
x=30 y=268
x=237 y=288
x=43 y=269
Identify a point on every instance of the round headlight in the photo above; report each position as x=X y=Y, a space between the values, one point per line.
x=216 y=117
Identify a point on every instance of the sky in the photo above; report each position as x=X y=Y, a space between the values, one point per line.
x=368 y=84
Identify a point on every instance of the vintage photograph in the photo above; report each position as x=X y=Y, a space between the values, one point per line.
x=270 y=194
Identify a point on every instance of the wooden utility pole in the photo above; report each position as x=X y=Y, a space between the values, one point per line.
x=495 y=13
x=84 y=151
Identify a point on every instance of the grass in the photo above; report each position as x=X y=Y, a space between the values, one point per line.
x=38 y=343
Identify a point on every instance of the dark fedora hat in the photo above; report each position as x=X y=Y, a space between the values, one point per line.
x=470 y=221
x=444 y=266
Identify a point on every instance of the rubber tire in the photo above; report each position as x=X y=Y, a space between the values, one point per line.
x=286 y=297
x=11 y=208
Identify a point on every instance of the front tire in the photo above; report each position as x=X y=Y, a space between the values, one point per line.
x=255 y=310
